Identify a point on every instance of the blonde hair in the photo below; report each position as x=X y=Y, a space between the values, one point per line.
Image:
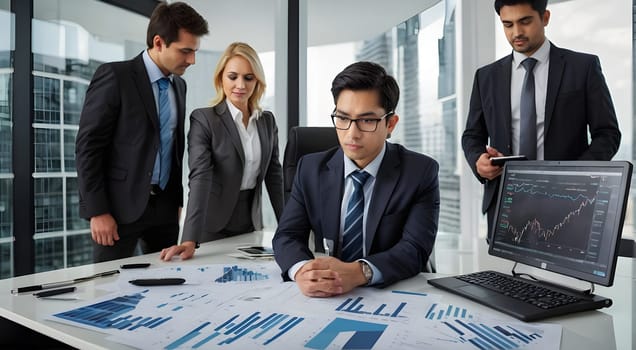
x=248 y=53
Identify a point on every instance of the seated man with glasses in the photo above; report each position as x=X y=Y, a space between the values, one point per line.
x=372 y=205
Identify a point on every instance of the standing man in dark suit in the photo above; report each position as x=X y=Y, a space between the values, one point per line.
x=374 y=204
x=570 y=99
x=130 y=142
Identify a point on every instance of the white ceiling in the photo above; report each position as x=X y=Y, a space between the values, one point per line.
x=252 y=21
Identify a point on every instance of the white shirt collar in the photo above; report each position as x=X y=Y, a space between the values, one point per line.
x=236 y=113
x=542 y=55
x=372 y=168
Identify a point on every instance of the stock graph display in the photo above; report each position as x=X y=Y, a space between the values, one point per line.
x=555 y=214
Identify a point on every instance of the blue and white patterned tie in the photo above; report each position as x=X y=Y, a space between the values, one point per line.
x=352 y=234
x=165 y=152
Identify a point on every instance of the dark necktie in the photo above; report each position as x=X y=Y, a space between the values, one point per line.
x=528 y=129
x=165 y=152
x=352 y=234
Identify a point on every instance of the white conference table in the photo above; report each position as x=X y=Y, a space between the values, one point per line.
x=610 y=328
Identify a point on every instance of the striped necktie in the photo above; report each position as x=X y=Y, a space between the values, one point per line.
x=352 y=235
x=165 y=152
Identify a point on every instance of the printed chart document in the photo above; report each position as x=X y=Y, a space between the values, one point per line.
x=246 y=306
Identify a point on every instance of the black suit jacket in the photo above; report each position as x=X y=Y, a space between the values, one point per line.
x=577 y=99
x=401 y=220
x=217 y=159
x=118 y=139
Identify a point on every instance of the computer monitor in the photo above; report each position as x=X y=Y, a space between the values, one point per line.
x=562 y=216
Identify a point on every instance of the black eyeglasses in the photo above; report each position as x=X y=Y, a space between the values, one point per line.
x=363 y=124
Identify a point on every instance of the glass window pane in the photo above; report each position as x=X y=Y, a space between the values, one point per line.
x=69 y=150
x=6 y=260
x=49 y=254
x=6 y=209
x=7 y=48
x=46 y=100
x=47 y=150
x=49 y=205
x=73 y=220
x=79 y=249
x=74 y=93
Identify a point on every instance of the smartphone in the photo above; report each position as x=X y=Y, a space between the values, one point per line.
x=504 y=159
x=256 y=251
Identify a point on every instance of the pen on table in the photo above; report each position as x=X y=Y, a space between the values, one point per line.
x=62 y=283
x=50 y=293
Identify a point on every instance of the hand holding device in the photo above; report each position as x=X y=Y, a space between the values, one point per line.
x=504 y=159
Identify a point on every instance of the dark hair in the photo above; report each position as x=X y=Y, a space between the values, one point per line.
x=367 y=76
x=537 y=5
x=167 y=19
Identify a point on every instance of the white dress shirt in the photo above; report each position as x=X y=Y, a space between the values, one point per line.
x=251 y=146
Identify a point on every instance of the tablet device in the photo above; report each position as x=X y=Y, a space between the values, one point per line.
x=256 y=251
x=504 y=159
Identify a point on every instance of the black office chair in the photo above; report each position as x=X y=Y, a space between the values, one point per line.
x=627 y=248
x=304 y=140
x=300 y=141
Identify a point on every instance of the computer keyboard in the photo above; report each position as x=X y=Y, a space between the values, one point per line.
x=524 y=299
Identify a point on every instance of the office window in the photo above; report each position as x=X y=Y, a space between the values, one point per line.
x=70 y=40
x=420 y=53
x=7 y=34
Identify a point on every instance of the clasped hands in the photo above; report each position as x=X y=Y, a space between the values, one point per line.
x=328 y=276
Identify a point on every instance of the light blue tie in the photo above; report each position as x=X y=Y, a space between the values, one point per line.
x=165 y=152
x=528 y=129
x=352 y=234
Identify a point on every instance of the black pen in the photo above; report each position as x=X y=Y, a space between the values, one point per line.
x=62 y=283
x=157 y=281
x=52 y=292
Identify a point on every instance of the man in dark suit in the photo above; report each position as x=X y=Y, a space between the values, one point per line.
x=570 y=97
x=129 y=160
x=374 y=204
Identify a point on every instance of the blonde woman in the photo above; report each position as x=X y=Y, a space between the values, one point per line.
x=233 y=150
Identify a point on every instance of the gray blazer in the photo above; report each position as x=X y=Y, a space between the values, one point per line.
x=216 y=160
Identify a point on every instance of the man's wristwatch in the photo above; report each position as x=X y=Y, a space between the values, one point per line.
x=366 y=270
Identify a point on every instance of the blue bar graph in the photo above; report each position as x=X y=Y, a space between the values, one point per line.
x=240 y=274
x=109 y=314
x=357 y=307
x=439 y=312
x=365 y=335
x=256 y=326
x=483 y=336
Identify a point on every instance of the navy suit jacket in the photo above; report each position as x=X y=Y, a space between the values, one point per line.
x=577 y=99
x=117 y=143
x=401 y=219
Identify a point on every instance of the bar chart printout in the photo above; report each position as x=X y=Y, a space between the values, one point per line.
x=357 y=306
x=109 y=314
x=500 y=336
x=365 y=334
x=240 y=274
x=442 y=312
x=264 y=330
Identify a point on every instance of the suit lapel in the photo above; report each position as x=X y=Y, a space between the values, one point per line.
x=385 y=182
x=502 y=104
x=555 y=73
x=230 y=127
x=140 y=77
x=331 y=184
x=263 y=137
